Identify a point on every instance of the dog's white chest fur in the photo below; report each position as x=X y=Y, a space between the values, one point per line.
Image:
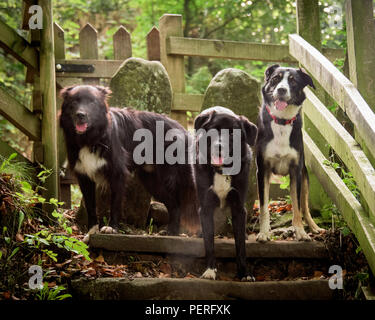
x=89 y=163
x=278 y=152
x=221 y=186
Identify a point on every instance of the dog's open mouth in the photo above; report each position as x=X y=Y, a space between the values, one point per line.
x=217 y=161
x=81 y=127
x=280 y=104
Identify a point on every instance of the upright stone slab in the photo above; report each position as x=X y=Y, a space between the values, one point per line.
x=142 y=85
x=236 y=90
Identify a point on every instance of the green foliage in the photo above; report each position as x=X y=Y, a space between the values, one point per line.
x=285 y=183
x=54 y=293
x=21 y=210
x=199 y=81
x=347 y=177
x=150 y=226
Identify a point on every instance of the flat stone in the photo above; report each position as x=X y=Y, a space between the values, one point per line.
x=194 y=246
x=198 y=289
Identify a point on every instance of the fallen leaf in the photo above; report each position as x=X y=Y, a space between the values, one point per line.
x=166 y=268
x=100 y=258
x=19 y=237
x=318 y=274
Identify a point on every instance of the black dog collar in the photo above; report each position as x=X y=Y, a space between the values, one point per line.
x=277 y=120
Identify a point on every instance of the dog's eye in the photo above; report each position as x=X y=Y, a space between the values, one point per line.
x=275 y=80
x=292 y=80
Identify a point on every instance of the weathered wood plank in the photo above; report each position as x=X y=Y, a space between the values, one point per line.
x=236 y=50
x=18 y=47
x=344 y=145
x=187 y=102
x=122 y=46
x=48 y=88
x=64 y=189
x=153 y=44
x=103 y=68
x=360 y=28
x=171 y=26
x=338 y=86
x=88 y=47
x=348 y=205
x=195 y=247
x=26 y=4
x=18 y=115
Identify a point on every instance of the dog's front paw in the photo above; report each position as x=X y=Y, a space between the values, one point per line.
x=301 y=234
x=317 y=230
x=248 y=278
x=108 y=230
x=209 y=274
x=93 y=230
x=263 y=237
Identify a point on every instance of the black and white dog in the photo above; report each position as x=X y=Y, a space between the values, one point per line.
x=100 y=144
x=279 y=146
x=221 y=174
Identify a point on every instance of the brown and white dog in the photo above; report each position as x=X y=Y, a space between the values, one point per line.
x=279 y=146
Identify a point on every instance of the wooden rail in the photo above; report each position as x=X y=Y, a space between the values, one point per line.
x=348 y=205
x=236 y=50
x=345 y=147
x=18 y=47
x=338 y=86
x=19 y=116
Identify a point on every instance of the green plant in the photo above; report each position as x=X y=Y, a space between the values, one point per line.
x=150 y=226
x=347 y=177
x=54 y=293
x=285 y=183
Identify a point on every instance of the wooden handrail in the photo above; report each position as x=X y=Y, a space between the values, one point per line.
x=18 y=47
x=348 y=205
x=344 y=145
x=21 y=117
x=338 y=86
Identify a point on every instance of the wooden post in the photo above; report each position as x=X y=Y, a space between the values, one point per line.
x=122 y=46
x=88 y=47
x=360 y=29
x=153 y=44
x=171 y=26
x=64 y=190
x=360 y=26
x=47 y=85
x=308 y=27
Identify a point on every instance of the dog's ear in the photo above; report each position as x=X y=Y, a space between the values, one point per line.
x=105 y=91
x=306 y=78
x=270 y=70
x=250 y=130
x=202 y=120
x=64 y=93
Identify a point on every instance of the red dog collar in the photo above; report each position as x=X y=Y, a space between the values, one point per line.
x=279 y=120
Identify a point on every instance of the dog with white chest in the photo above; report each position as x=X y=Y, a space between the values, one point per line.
x=279 y=146
x=226 y=138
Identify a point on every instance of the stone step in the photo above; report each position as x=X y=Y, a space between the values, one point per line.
x=198 y=289
x=194 y=247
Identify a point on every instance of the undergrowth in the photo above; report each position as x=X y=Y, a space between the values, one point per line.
x=29 y=235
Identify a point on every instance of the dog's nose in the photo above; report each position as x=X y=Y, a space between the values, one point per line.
x=281 y=91
x=81 y=115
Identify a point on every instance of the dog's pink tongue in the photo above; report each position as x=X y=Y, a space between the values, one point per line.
x=81 y=127
x=280 y=105
x=217 y=161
